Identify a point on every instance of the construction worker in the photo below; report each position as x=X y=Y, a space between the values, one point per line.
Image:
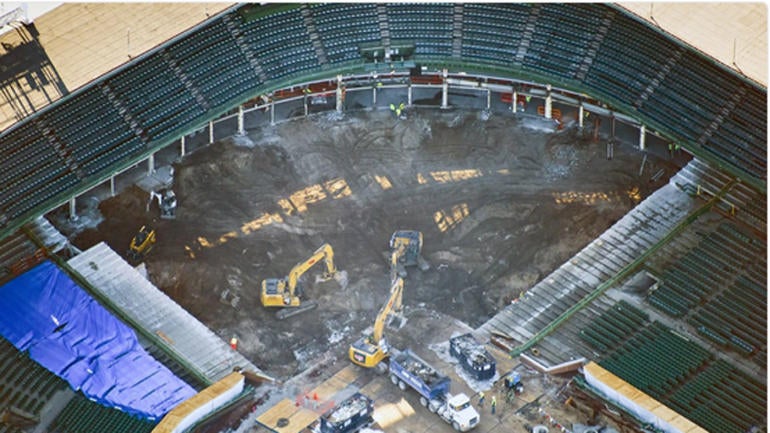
x=494 y=404
x=481 y=398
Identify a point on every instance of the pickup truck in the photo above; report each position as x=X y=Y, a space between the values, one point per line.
x=408 y=370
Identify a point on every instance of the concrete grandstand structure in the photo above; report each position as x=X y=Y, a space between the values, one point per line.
x=596 y=57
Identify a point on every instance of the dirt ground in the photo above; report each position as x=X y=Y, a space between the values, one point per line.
x=501 y=203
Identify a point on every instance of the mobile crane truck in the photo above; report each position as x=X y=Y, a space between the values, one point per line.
x=408 y=370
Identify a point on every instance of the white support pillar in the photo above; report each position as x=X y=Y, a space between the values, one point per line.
x=73 y=213
x=151 y=164
x=182 y=149
x=272 y=112
x=374 y=96
x=340 y=95
x=515 y=101
x=548 y=101
x=642 y=133
x=241 y=129
x=489 y=99
x=409 y=94
x=445 y=91
x=304 y=104
x=580 y=116
x=211 y=131
x=112 y=186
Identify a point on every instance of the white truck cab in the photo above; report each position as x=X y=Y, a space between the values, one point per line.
x=457 y=410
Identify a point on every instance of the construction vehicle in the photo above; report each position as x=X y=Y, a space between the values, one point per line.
x=408 y=370
x=473 y=357
x=349 y=416
x=166 y=202
x=285 y=292
x=405 y=251
x=141 y=244
x=370 y=351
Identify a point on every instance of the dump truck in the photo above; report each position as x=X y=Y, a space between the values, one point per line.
x=349 y=416
x=473 y=357
x=408 y=370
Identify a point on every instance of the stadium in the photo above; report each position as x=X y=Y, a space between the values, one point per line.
x=591 y=190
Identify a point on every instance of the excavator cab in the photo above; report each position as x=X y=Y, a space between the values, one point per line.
x=141 y=244
x=285 y=292
x=405 y=250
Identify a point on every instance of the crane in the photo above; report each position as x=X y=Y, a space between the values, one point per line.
x=371 y=350
x=283 y=292
x=405 y=249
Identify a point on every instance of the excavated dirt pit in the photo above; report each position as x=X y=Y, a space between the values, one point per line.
x=501 y=203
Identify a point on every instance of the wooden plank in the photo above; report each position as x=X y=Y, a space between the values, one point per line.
x=283 y=409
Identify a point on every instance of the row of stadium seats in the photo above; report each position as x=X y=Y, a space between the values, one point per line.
x=84 y=416
x=611 y=329
x=710 y=283
x=639 y=359
x=700 y=399
x=23 y=383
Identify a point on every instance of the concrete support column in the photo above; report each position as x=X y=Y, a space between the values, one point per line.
x=339 y=93
x=211 y=131
x=151 y=164
x=548 y=101
x=409 y=94
x=514 y=101
x=489 y=99
x=272 y=113
x=241 y=129
x=642 y=133
x=374 y=96
x=445 y=91
x=580 y=116
x=304 y=103
x=112 y=186
x=182 y=149
x=73 y=213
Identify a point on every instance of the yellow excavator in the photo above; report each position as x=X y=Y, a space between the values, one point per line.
x=370 y=351
x=405 y=250
x=284 y=292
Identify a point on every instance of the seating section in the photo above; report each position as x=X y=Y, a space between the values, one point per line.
x=344 y=27
x=720 y=286
x=701 y=399
x=84 y=416
x=615 y=326
x=710 y=392
x=281 y=44
x=429 y=26
x=24 y=384
x=561 y=39
x=492 y=32
x=212 y=61
x=641 y=359
x=629 y=59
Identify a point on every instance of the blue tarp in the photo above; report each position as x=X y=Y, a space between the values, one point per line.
x=66 y=331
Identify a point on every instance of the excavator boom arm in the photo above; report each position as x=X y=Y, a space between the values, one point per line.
x=393 y=304
x=324 y=252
